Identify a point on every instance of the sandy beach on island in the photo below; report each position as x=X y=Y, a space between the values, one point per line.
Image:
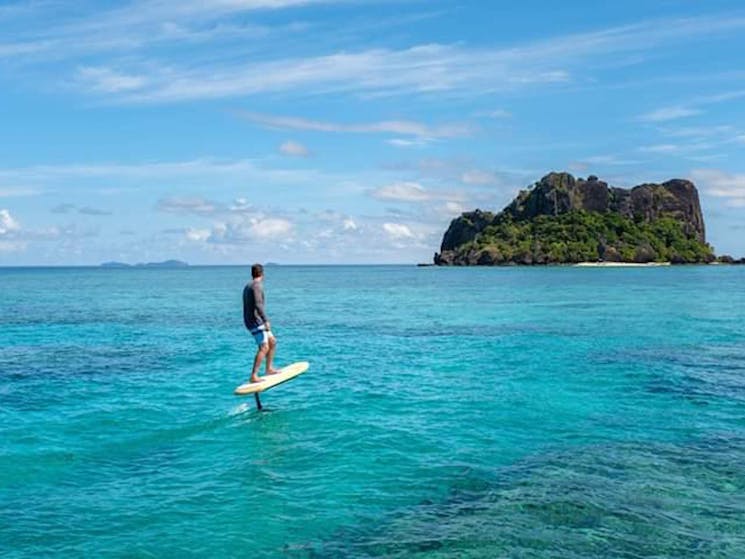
x=620 y=264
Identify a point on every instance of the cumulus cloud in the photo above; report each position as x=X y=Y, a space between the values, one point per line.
x=294 y=149
x=241 y=231
x=270 y=228
x=197 y=234
x=398 y=231
x=349 y=225
x=8 y=223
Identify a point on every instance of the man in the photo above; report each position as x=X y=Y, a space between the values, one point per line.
x=255 y=319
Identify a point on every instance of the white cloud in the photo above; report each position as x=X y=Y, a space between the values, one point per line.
x=402 y=192
x=259 y=228
x=105 y=80
x=136 y=26
x=608 y=160
x=270 y=228
x=669 y=113
x=403 y=127
x=453 y=208
x=721 y=184
x=424 y=68
x=197 y=234
x=476 y=176
x=406 y=143
x=414 y=193
x=8 y=223
x=398 y=231
x=294 y=149
x=660 y=148
x=349 y=225
x=497 y=114
x=698 y=131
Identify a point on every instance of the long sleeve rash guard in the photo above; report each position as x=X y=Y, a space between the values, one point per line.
x=253 y=305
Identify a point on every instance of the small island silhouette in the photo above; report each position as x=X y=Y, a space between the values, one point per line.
x=163 y=264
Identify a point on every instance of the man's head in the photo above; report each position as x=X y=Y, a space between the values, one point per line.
x=257 y=271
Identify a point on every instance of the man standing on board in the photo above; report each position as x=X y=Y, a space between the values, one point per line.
x=256 y=321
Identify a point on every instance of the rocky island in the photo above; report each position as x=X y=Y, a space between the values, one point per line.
x=566 y=220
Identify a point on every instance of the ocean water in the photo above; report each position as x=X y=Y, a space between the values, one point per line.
x=501 y=412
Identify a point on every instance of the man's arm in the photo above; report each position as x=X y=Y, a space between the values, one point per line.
x=259 y=303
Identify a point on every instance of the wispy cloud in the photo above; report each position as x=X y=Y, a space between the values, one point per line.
x=105 y=80
x=294 y=149
x=665 y=114
x=202 y=171
x=693 y=107
x=496 y=114
x=403 y=127
x=698 y=131
x=135 y=26
x=660 y=148
x=409 y=191
x=402 y=192
x=19 y=192
x=478 y=177
x=423 y=68
x=721 y=184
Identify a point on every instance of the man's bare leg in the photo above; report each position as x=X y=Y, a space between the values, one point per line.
x=270 y=370
x=260 y=354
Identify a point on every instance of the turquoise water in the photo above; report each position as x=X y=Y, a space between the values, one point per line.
x=510 y=412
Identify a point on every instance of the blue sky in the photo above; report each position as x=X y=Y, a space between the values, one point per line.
x=348 y=131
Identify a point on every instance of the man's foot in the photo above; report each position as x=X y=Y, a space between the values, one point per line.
x=256 y=379
x=273 y=371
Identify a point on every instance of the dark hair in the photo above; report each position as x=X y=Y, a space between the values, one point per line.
x=257 y=270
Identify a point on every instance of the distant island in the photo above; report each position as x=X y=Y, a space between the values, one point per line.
x=566 y=220
x=164 y=264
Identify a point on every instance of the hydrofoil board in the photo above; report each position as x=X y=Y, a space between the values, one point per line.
x=270 y=381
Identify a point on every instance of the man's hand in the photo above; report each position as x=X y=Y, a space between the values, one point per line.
x=268 y=326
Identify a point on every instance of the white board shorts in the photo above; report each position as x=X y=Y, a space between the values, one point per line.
x=261 y=334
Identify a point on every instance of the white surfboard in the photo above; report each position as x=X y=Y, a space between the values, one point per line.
x=270 y=381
